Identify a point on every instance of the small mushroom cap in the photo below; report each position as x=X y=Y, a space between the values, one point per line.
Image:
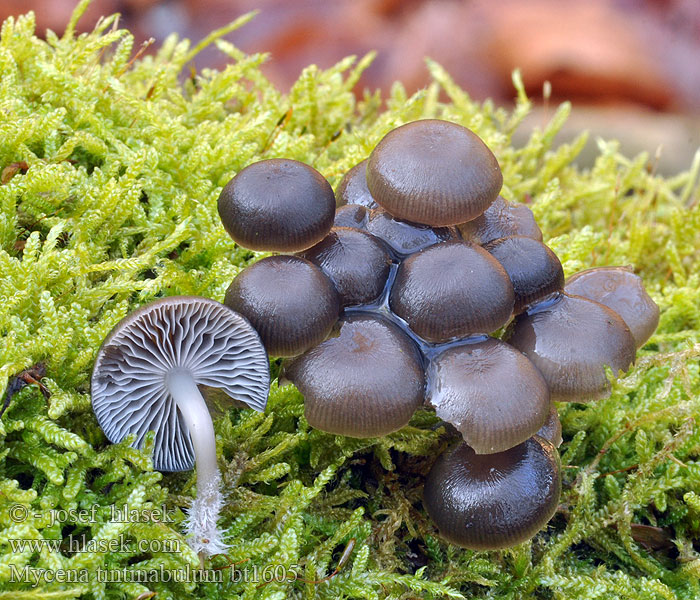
x=278 y=205
x=501 y=219
x=405 y=238
x=490 y=392
x=621 y=290
x=365 y=380
x=571 y=340
x=452 y=290
x=534 y=270
x=433 y=172
x=211 y=342
x=356 y=262
x=352 y=188
x=351 y=215
x=551 y=430
x=493 y=501
x=288 y=300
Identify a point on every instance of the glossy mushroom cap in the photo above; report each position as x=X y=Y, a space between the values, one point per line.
x=452 y=290
x=493 y=501
x=352 y=188
x=571 y=340
x=179 y=334
x=501 y=219
x=621 y=290
x=534 y=270
x=551 y=430
x=288 y=300
x=433 y=172
x=405 y=238
x=356 y=262
x=490 y=392
x=351 y=215
x=278 y=205
x=365 y=380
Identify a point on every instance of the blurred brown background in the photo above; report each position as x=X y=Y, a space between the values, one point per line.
x=630 y=67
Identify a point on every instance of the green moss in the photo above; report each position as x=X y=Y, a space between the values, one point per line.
x=112 y=167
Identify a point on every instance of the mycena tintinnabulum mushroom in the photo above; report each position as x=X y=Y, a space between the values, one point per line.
x=146 y=377
x=492 y=501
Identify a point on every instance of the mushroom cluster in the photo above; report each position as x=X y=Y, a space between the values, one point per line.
x=417 y=284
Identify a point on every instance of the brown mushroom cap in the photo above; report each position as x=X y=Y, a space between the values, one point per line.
x=534 y=270
x=433 y=172
x=551 y=430
x=501 y=219
x=352 y=188
x=356 y=262
x=279 y=205
x=365 y=380
x=405 y=238
x=493 y=501
x=288 y=300
x=351 y=215
x=621 y=290
x=570 y=340
x=452 y=290
x=490 y=392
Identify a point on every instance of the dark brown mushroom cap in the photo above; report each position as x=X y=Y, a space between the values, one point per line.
x=621 y=290
x=278 y=205
x=490 y=392
x=365 y=380
x=288 y=300
x=433 y=172
x=571 y=340
x=405 y=238
x=534 y=270
x=551 y=430
x=356 y=262
x=351 y=215
x=352 y=188
x=501 y=219
x=452 y=290
x=493 y=501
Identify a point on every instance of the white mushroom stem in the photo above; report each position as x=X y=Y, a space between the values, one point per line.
x=204 y=535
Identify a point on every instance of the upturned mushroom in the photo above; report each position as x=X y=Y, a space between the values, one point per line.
x=146 y=378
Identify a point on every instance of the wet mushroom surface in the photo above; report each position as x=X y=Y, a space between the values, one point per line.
x=401 y=306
